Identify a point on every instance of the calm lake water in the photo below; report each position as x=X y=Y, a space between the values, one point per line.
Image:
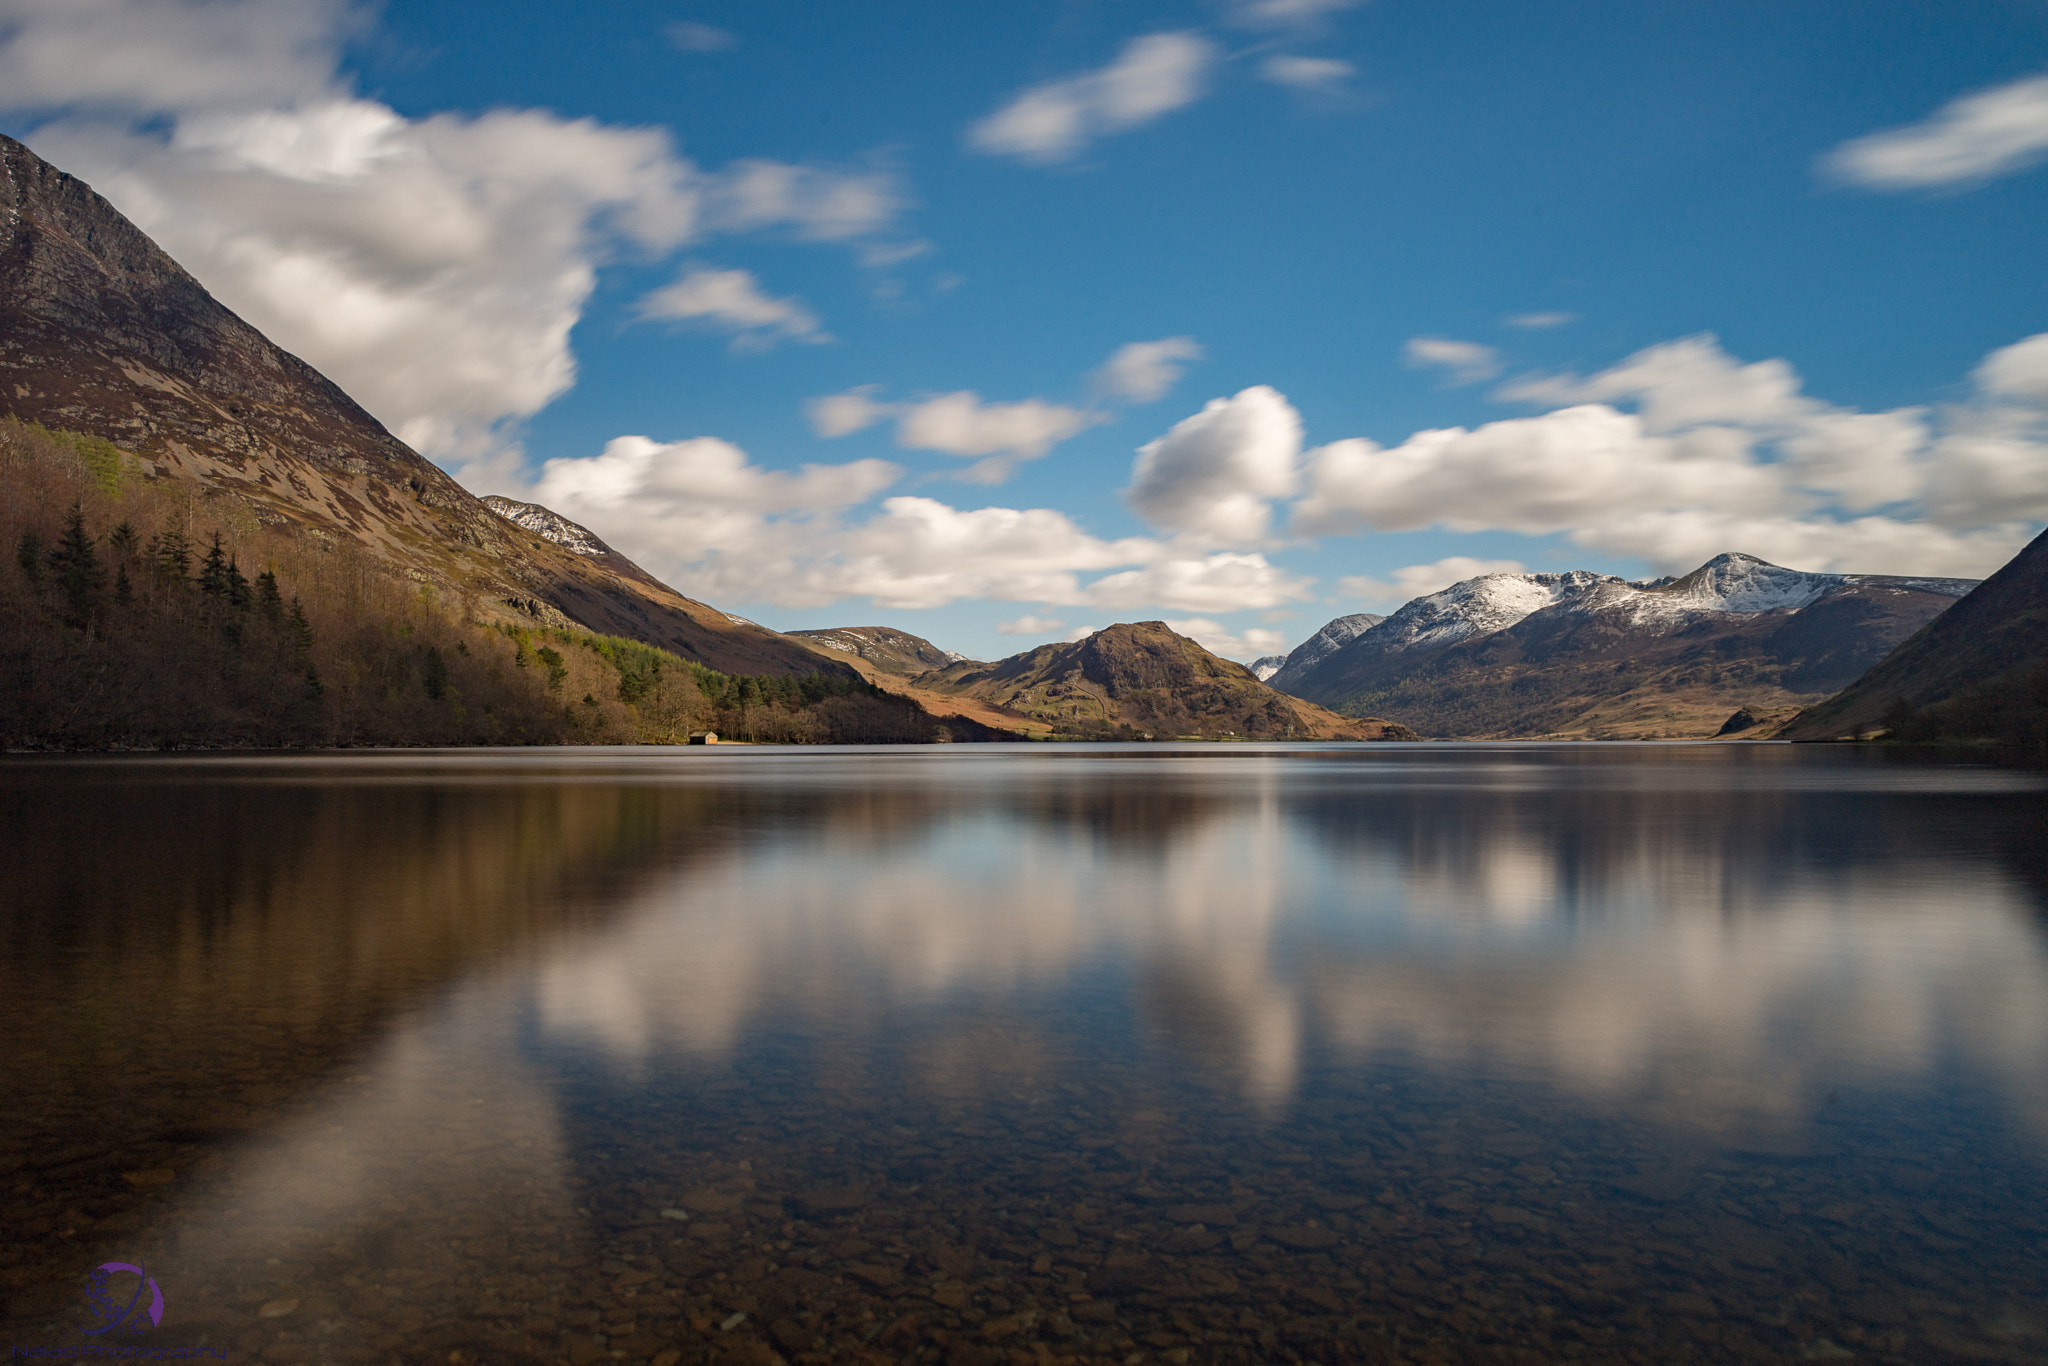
x=1024 y=1054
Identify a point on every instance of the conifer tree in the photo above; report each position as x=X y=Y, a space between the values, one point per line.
x=171 y=554
x=434 y=674
x=268 y=600
x=300 y=629
x=78 y=570
x=121 y=542
x=238 y=594
x=29 y=555
x=124 y=591
x=213 y=570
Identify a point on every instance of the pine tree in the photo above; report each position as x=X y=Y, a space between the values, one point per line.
x=268 y=600
x=29 y=555
x=300 y=629
x=78 y=570
x=121 y=542
x=171 y=554
x=434 y=674
x=124 y=591
x=238 y=593
x=213 y=570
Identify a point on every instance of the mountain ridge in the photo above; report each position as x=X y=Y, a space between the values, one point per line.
x=1579 y=653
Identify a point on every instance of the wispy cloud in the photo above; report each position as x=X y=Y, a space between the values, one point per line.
x=1538 y=321
x=1000 y=434
x=686 y=35
x=1463 y=362
x=1153 y=76
x=1320 y=74
x=732 y=301
x=1975 y=137
x=1143 y=371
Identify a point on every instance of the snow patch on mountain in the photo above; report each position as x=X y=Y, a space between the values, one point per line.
x=1489 y=603
x=548 y=524
x=1265 y=666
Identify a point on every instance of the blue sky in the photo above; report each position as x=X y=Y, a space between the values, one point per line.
x=813 y=309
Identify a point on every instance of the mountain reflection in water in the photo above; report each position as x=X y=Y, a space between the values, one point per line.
x=1671 y=1047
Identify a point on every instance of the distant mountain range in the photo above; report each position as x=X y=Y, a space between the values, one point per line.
x=1586 y=655
x=1978 y=672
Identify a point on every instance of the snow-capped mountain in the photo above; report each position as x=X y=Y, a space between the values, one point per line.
x=1265 y=666
x=1324 y=643
x=1543 y=653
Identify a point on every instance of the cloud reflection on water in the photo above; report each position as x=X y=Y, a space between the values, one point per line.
x=1713 y=953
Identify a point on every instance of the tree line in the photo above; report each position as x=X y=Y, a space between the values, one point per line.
x=143 y=612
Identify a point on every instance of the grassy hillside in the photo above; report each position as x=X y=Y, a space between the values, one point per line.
x=138 y=611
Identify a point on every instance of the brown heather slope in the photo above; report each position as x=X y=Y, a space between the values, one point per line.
x=1977 y=672
x=1142 y=679
x=101 y=332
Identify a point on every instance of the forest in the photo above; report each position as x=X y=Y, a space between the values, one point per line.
x=146 y=613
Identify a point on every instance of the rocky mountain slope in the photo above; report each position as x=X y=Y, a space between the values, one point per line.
x=1979 y=671
x=103 y=333
x=1334 y=636
x=1144 y=680
x=885 y=647
x=1581 y=654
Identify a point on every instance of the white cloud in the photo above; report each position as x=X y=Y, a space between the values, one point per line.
x=1143 y=371
x=687 y=35
x=1465 y=362
x=1153 y=76
x=731 y=301
x=957 y=424
x=1079 y=633
x=1973 y=138
x=433 y=267
x=1540 y=320
x=2019 y=371
x=1285 y=13
x=844 y=414
x=1214 y=475
x=816 y=203
x=1219 y=639
x=1717 y=455
x=1306 y=73
x=1419 y=580
x=1225 y=581
x=139 y=56
x=702 y=516
x=1029 y=625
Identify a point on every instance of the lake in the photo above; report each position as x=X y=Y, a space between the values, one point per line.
x=1015 y=1054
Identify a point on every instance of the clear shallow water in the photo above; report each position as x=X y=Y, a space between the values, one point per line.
x=974 y=1054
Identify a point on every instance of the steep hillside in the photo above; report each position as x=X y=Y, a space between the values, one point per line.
x=103 y=333
x=1334 y=636
x=885 y=647
x=1590 y=655
x=1977 y=672
x=1143 y=680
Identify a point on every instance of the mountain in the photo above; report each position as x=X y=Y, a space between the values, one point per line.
x=1581 y=654
x=1143 y=680
x=102 y=333
x=1265 y=666
x=1334 y=636
x=1979 y=671
x=550 y=525
x=885 y=647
